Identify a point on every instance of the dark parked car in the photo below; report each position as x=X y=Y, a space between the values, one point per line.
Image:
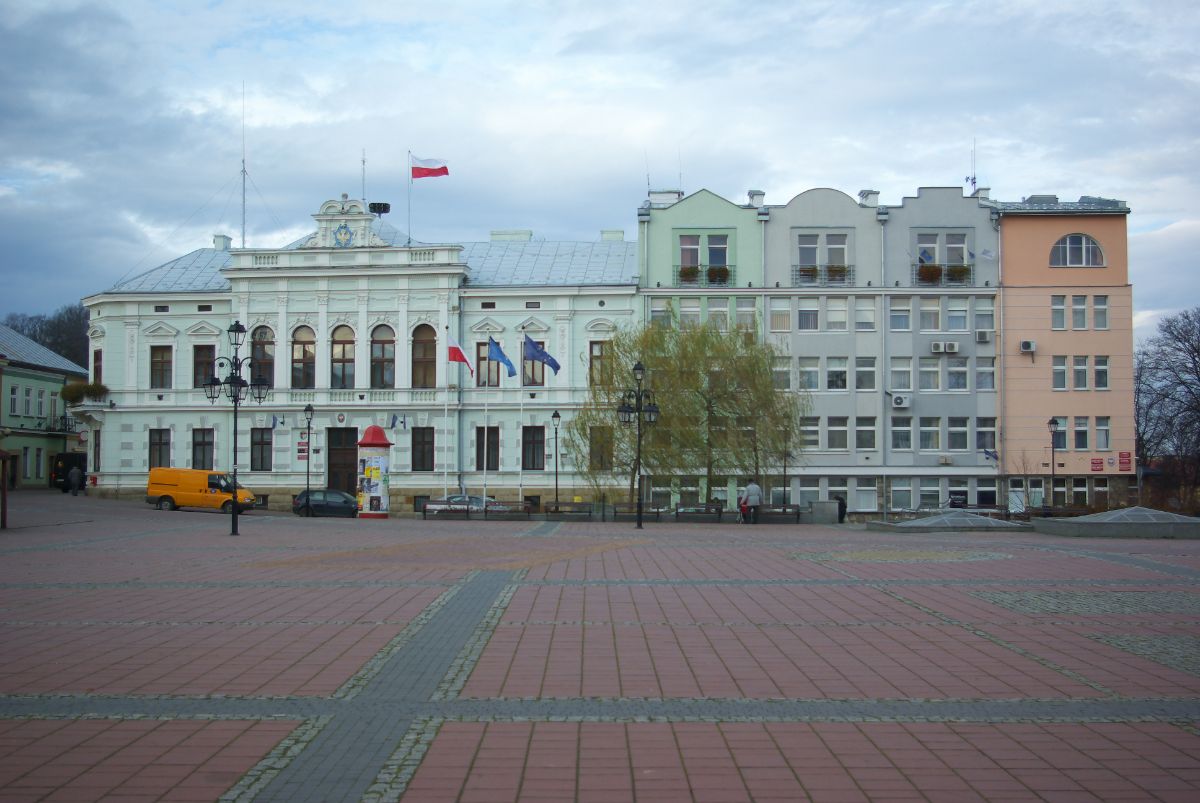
x=61 y=466
x=327 y=502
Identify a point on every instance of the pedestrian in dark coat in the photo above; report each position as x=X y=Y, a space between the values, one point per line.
x=75 y=479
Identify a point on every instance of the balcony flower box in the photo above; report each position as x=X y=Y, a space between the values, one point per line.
x=958 y=274
x=718 y=274
x=929 y=274
x=836 y=274
x=688 y=274
x=76 y=392
x=806 y=274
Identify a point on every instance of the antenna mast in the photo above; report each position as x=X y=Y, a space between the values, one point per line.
x=364 y=175
x=971 y=178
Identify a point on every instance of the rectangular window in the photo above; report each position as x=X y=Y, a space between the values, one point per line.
x=261 y=441
x=985 y=433
x=747 y=313
x=1079 y=312
x=718 y=250
x=806 y=256
x=487 y=372
x=927 y=249
x=599 y=366
x=718 y=314
x=931 y=434
x=807 y=317
x=1103 y=434
x=901 y=373
x=160 y=448
x=902 y=432
x=781 y=315
x=203 y=444
x=956 y=373
x=985 y=492
x=837 y=487
x=600 y=448
x=29 y=401
x=1058 y=312
x=902 y=494
x=835 y=249
x=1099 y=312
x=809 y=490
x=864 y=314
x=864 y=373
x=1059 y=438
x=487 y=448
x=1058 y=373
x=37 y=463
x=1079 y=491
x=1100 y=489
x=931 y=493
x=203 y=364
x=12 y=400
x=931 y=314
x=96 y=449
x=689 y=313
x=985 y=313
x=810 y=373
x=985 y=373
x=956 y=433
x=929 y=370
x=956 y=249
x=900 y=314
x=956 y=314
x=422 y=448
x=1101 y=364
x=1079 y=377
x=660 y=312
x=41 y=402
x=835 y=373
x=835 y=314
x=782 y=373
x=533 y=372
x=533 y=448
x=864 y=432
x=810 y=432
x=1081 y=432
x=689 y=252
x=160 y=366
x=97 y=366
x=836 y=432
x=26 y=463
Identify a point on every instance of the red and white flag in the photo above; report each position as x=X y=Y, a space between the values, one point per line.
x=428 y=168
x=458 y=355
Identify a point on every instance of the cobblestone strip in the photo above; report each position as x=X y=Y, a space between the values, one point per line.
x=264 y=771
x=464 y=662
x=372 y=667
x=393 y=779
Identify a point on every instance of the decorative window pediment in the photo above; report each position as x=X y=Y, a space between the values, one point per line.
x=533 y=326
x=601 y=326
x=160 y=329
x=204 y=330
x=95 y=332
x=488 y=326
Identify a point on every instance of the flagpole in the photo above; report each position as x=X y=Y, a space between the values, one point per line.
x=446 y=435
x=487 y=392
x=410 y=183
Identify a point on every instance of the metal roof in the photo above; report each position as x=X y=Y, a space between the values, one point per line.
x=18 y=348
x=1049 y=204
x=491 y=264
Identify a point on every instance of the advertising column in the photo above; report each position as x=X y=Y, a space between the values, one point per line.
x=373 y=467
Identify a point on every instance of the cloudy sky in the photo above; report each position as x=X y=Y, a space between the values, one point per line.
x=121 y=122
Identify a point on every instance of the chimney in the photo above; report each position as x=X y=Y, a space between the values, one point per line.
x=756 y=198
x=661 y=198
x=222 y=242
x=612 y=234
x=982 y=193
x=868 y=198
x=512 y=235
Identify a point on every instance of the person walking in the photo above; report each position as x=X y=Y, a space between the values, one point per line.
x=752 y=498
x=75 y=479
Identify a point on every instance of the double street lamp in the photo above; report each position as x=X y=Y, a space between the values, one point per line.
x=237 y=389
x=635 y=405
x=1048 y=501
x=308 y=417
x=556 y=418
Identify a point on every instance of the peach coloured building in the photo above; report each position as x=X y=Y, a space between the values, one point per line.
x=1066 y=352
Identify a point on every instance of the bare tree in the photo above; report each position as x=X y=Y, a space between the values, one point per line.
x=1167 y=394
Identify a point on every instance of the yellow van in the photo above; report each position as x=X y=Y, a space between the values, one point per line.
x=170 y=488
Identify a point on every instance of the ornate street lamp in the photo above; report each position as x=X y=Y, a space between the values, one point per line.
x=635 y=405
x=237 y=389
x=308 y=417
x=1051 y=425
x=556 y=418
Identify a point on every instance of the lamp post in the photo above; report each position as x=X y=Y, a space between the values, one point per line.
x=1051 y=425
x=236 y=388
x=637 y=403
x=556 y=418
x=308 y=417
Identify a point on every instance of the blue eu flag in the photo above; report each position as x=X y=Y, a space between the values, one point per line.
x=496 y=353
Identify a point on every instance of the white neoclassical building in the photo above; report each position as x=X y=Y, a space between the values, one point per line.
x=356 y=320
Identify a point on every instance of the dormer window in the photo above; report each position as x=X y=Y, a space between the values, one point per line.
x=1076 y=251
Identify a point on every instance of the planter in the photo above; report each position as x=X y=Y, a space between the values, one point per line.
x=76 y=392
x=958 y=274
x=929 y=274
x=806 y=275
x=835 y=274
x=718 y=275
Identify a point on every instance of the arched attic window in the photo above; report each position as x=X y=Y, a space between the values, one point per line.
x=424 y=357
x=341 y=358
x=383 y=357
x=1076 y=251
x=304 y=358
x=262 y=354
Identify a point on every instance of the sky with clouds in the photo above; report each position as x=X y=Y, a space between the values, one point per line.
x=121 y=121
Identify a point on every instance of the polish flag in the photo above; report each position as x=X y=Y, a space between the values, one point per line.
x=457 y=354
x=428 y=168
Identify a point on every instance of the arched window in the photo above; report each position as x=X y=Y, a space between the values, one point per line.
x=1076 y=251
x=304 y=358
x=424 y=357
x=262 y=355
x=383 y=357
x=341 y=360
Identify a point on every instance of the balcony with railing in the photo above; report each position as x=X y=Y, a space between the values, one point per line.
x=822 y=275
x=925 y=274
x=705 y=275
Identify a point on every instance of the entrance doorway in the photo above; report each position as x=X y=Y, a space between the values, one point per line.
x=342 y=458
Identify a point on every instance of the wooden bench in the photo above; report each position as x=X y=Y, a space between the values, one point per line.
x=568 y=510
x=704 y=509
x=628 y=510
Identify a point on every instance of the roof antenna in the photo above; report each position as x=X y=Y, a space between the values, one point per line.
x=971 y=178
x=243 y=164
x=646 y=158
x=364 y=175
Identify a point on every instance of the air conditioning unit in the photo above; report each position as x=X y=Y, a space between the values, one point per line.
x=899 y=400
x=983 y=335
x=1028 y=346
x=952 y=347
x=945 y=460
x=937 y=346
